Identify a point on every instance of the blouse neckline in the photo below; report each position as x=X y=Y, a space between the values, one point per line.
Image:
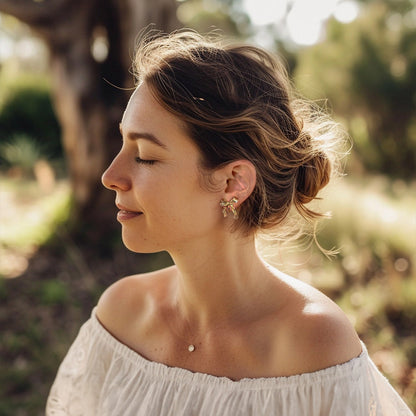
x=183 y=375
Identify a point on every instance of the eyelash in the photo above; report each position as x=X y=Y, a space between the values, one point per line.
x=145 y=162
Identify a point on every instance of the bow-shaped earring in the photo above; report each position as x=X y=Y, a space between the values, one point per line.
x=228 y=206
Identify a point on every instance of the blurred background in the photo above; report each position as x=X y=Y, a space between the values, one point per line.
x=64 y=81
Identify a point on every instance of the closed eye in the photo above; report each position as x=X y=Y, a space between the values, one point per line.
x=144 y=161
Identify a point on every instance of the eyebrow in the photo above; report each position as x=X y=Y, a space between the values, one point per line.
x=143 y=135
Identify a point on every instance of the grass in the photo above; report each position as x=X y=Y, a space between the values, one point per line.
x=29 y=218
x=379 y=215
x=28 y=215
x=373 y=279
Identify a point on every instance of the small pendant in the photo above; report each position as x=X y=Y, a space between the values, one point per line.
x=191 y=348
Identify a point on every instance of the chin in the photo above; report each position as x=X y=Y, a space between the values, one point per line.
x=142 y=246
x=143 y=250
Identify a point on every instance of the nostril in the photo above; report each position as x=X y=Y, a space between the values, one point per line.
x=108 y=181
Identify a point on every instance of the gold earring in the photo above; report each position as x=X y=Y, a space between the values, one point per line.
x=228 y=206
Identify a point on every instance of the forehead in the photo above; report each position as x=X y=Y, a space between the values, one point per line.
x=144 y=112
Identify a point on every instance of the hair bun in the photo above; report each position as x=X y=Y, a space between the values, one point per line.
x=312 y=177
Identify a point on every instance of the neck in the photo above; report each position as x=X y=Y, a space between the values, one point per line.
x=222 y=283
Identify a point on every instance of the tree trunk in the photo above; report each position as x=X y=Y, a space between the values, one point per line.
x=87 y=101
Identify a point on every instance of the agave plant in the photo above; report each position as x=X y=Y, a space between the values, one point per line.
x=21 y=152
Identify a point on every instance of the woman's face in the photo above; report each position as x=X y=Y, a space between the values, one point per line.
x=157 y=182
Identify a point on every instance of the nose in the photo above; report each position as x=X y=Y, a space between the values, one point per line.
x=114 y=178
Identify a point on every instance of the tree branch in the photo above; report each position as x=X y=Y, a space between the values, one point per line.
x=37 y=13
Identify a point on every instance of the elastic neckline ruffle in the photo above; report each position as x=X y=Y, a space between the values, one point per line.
x=160 y=371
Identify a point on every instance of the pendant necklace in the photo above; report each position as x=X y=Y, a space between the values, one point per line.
x=190 y=347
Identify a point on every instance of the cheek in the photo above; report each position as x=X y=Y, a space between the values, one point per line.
x=174 y=201
x=160 y=195
x=188 y=209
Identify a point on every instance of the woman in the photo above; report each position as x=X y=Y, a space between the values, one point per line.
x=215 y=150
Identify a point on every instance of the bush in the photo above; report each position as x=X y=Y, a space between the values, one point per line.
x=21 y=152
x=26 y=110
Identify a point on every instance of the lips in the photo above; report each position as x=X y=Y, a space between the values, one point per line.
x=126 y=214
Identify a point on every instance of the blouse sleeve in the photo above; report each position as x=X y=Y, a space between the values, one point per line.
x=384 y=399
x=74 y=390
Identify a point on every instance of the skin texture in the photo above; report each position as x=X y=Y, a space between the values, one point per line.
x=245 y=318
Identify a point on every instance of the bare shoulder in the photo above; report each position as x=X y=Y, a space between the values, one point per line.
x=323 y=337
x=317 y=334
x=128 y=299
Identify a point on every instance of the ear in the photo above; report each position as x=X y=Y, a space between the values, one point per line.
x=240 y=180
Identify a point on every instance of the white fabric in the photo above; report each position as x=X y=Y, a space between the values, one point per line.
x=101 y=376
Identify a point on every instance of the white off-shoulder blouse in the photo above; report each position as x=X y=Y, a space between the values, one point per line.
x=101 y=376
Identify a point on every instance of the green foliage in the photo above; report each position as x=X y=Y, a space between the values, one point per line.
x=367 y=71
x=27 y=360
x=53 y=292
x=26 y=110
x=21 y=152
x=204 y=16
x=373 y=228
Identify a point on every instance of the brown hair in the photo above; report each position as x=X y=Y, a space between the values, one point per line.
x=237 y=103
